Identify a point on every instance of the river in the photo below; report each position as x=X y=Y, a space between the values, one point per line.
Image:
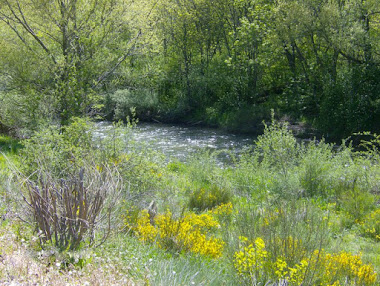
x=181 y=141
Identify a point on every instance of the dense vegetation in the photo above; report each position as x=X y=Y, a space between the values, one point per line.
x=78 y=209
x=284 y=212
x=224 y=63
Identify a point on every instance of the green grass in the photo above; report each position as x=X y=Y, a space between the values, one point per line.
x=309 y=196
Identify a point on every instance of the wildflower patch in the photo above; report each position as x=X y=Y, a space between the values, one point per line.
x=189 y=233
x=253 y=262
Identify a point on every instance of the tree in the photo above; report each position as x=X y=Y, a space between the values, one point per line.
x=61 y=51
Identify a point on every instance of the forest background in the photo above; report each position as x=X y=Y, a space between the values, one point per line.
x=219 y=63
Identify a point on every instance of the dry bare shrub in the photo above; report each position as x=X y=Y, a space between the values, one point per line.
x=69 y=211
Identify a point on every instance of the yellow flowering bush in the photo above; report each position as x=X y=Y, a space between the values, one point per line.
x=270 y=218
x=253 y=262
x=145 y=231
x=342 y=269
x=291 y=248
x=295 y=275
x=222 y=210
x=371 y=225
x=188 y=233
x=130 y=215
x=250 y=259
x=298 y=272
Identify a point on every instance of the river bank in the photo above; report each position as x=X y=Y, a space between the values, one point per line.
x=299 y=208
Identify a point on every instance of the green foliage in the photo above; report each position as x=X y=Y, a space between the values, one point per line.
x=64 y=151
x=315 y=169
x=370 y=225
x=207 y=198
x=143 y=102
x=299 y=57
x=348 y=105
x=225 y=64
x=9 y=145
x=371 y=145
x=277 y=148
x=176 y=166
x=284 y=212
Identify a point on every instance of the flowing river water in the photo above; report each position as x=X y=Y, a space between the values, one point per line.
x=181 y=141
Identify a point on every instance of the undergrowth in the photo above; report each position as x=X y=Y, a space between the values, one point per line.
x=282 y=213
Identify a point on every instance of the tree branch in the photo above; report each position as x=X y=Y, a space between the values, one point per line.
x=106 y=74
x=23 y=22
x=7 y=21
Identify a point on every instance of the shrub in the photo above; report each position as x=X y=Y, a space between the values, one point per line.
x=71 y=183
x=340 y=269
x=256 y=265
x=251 y=258
x=276 y=155
x=284 y=225
x=371 y=225
x=189 y=233
x=143 y=101
x=356 y=204
x=208 y=197
x=66 y=211
x=277 y=148
x=315 y=169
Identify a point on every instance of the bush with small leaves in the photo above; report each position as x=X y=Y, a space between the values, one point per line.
x=207 y=198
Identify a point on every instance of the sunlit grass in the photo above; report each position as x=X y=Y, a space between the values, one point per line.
x=303 y=202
